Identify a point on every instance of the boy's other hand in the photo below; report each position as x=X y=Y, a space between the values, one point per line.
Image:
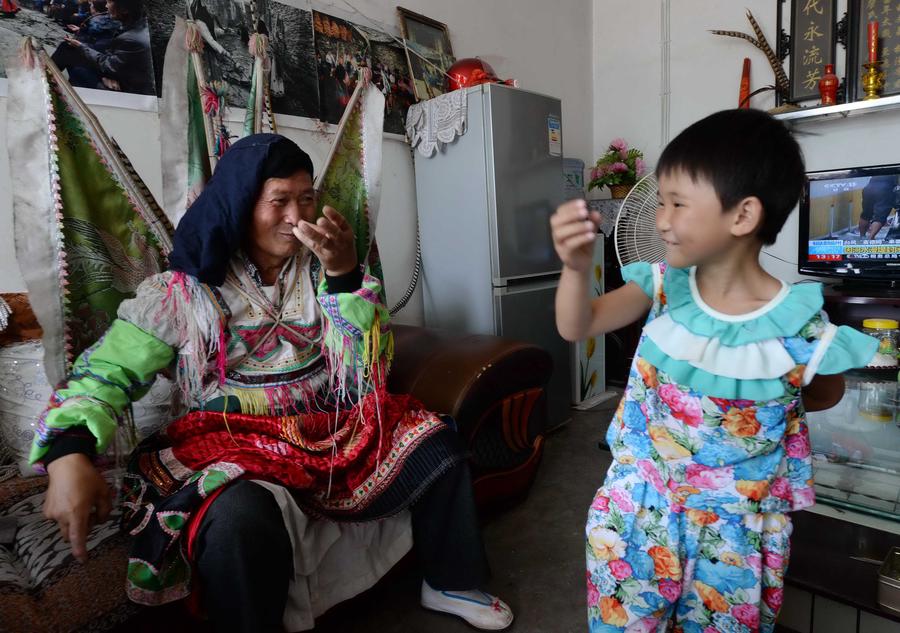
x=574 y=229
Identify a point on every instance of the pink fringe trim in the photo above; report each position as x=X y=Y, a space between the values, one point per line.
x=222 y=355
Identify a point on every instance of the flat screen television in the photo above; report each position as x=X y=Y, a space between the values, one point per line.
x=850 y=224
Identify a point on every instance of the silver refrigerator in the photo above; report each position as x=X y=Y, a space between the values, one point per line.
x=484 y=204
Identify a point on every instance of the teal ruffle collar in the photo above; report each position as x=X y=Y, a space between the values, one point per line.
x=783 y=317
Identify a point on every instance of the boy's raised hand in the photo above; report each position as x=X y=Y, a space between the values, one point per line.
x=574 y=230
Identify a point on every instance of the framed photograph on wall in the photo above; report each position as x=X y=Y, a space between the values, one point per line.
x=811 y=45
x=888 y=17
x=428 y=53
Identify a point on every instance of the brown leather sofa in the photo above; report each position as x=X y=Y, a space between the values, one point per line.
x=492 y=387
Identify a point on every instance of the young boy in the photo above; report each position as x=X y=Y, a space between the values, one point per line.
x=710 y=445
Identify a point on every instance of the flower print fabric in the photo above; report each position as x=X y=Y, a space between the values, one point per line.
x=689 y=527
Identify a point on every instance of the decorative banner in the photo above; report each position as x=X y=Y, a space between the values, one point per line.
x=350 y=180
x=226 y=27
x=187 y=133
x=259 y=103
x=87 y=229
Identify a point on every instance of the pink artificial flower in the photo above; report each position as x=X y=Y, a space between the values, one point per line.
x=746 y=614
x=601 y=503
x=651 y=475
x=592 y=592
x=639 y=167
x=781 y=488
x=623 y=154
x=618 y=144
x=682 y=406
x=619 y=569
x=669 y=589
x=622 y=500
x=618 y=168
x=595 y=173
x=797 y=446
x=706 y=478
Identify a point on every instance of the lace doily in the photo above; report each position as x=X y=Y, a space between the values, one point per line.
x=433 y=123
x=609 y=210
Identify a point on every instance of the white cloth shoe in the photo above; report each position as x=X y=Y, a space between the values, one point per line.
x=480 y=609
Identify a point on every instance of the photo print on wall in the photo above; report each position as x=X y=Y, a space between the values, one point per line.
x=228 y=27
x=94 y=47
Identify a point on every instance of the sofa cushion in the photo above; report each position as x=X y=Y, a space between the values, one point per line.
x=42 y=588
x=24 y=393
x=22 y=325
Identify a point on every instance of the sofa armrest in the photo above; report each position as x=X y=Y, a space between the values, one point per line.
x=463 y=375
x=494 y=388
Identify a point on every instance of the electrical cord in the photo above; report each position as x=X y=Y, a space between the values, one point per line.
x=764 y=252
x=414 y=280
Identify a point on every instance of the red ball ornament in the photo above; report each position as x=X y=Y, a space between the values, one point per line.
x=469 y=72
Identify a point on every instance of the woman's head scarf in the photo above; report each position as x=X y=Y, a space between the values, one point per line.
x=213 y=228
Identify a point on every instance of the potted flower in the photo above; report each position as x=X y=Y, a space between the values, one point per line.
x=619 y=168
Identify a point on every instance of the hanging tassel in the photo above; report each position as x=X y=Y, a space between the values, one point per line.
x=214 y=94
x=259 y=46
x=222 y=354
x=223 y=141
x=365 y=75
x=26 y=54
x=193 y=41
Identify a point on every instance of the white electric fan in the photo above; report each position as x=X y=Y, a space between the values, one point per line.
x=635 y=232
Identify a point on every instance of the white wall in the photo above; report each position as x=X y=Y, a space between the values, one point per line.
x=704 y=76
x=546 y=46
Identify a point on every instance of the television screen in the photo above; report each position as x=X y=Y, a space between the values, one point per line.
x=850 y=223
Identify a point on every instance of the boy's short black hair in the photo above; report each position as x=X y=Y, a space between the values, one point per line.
x=742 y=153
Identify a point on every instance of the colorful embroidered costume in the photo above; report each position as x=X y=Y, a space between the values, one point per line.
x=283 y=385
x=710 y=451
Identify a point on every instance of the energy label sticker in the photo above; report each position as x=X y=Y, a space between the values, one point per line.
x=554 y=131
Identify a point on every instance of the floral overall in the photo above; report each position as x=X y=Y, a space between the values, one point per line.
x=689 y=531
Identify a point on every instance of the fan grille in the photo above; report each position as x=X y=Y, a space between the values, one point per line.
x=636 y=237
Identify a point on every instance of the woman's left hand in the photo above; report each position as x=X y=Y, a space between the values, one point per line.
x=331 y=239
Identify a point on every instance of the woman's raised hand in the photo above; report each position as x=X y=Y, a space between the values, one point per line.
x=331 y=239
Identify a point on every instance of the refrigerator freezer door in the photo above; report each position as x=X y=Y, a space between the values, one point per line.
x=526 y=313
x=525 y=180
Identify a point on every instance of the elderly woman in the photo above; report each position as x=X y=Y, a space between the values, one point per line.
x=292 y=480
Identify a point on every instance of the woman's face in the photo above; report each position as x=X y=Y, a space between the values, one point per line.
x=282 y=204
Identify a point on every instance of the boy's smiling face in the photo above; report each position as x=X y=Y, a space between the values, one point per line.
x=691 y=221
